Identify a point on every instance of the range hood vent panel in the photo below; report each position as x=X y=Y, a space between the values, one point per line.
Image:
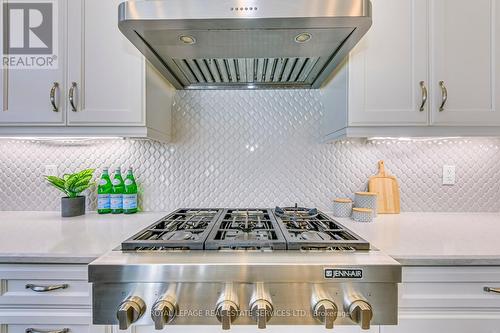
x=247 y=51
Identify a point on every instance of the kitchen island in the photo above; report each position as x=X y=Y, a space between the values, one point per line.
x=448 y=260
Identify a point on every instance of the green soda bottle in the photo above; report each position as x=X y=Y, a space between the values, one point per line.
x=117 y=193
x=104 y=193
x=130 y=194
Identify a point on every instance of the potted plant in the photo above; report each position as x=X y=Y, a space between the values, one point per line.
x=73 y=204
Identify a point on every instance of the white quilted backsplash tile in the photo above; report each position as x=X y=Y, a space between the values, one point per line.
x=258 y=148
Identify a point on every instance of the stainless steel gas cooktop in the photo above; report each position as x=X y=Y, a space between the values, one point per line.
x=282 y=266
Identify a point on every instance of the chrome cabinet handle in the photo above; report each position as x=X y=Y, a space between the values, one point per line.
x=34 y=330
x=72 y=96
x=44 y=289
x=424 y=96
x=492 y=290
x=444 y=93
x=53 y=97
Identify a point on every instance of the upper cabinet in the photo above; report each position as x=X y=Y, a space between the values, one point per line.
x=33 y=96
x=105 y=70
x=425 y=68
x=465 y=62
x=387 y=66
x=102 y=86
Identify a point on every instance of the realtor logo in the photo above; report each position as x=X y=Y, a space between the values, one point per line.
x=29 y=34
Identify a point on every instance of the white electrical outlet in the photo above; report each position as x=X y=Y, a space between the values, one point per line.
x=50 y=170
x=449 y=175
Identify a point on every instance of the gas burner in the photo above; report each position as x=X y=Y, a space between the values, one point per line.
x=184 y=229
x=178 y=235
x=308 y=229
x=296 y=212
x=314 y=236
x=251 y=229
x=248 y=236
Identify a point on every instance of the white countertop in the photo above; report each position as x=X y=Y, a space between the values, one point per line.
x=45 y=237
x=422 y=239
x=410 y=238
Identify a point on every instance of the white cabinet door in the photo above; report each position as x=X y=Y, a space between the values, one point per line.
x=465 y=51
x=25 y=92
x=459 y=324
x=386 y=68
x=107 y=69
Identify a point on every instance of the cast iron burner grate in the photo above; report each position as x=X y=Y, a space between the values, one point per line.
x=184 y=229
x=246 y=229
x=309 y=229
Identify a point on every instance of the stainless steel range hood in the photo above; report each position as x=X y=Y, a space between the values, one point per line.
x=245 y=44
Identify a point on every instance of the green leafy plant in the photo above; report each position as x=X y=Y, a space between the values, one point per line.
x=72 y=184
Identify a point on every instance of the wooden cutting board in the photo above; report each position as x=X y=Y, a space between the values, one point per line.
x=387 y=188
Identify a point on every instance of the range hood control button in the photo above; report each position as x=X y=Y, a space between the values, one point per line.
x=326 y=312
x=163 y=312
x=361 y=313
x=130 y=311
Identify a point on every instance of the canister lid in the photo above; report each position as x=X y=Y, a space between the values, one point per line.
x=371 y=194
x=343 y=200
x=363 y=210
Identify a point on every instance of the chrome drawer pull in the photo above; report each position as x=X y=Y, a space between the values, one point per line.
x=34 y=330
x=53 y=97
x=444 y=93
x=72 y=97
x=492 y=290
x=43 y=289
x=424 y=96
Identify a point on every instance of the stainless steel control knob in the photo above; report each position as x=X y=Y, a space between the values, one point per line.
x=261 y=311
x=163 y=312
x=361 y=313
x=227 y=312
x=130 y=311
x=326 y=312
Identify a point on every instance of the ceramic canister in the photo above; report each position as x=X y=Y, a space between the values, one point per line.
x=362 y=214
x=342 y=207
x=366 y=200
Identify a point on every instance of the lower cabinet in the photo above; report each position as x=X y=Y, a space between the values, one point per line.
x=57 y=299
x=46 y=298
x=448 y=299
x=59 y=328
x=461 y=324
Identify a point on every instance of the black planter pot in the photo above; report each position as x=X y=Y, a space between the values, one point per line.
x=71 y=207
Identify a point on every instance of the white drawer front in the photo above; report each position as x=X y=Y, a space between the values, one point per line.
x=34 y=285
x=51 y=316
x=25 y=292
x=447 y=295
x=51 y=329
x=449 y=287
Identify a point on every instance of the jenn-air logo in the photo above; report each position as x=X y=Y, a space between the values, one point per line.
x=29 y=34
x=343 y=273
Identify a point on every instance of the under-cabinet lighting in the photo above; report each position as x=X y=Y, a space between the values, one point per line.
x=60 y=138
x=407 y=139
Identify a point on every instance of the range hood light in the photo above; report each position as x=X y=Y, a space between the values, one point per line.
x=187 y=39
x=303 y=37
